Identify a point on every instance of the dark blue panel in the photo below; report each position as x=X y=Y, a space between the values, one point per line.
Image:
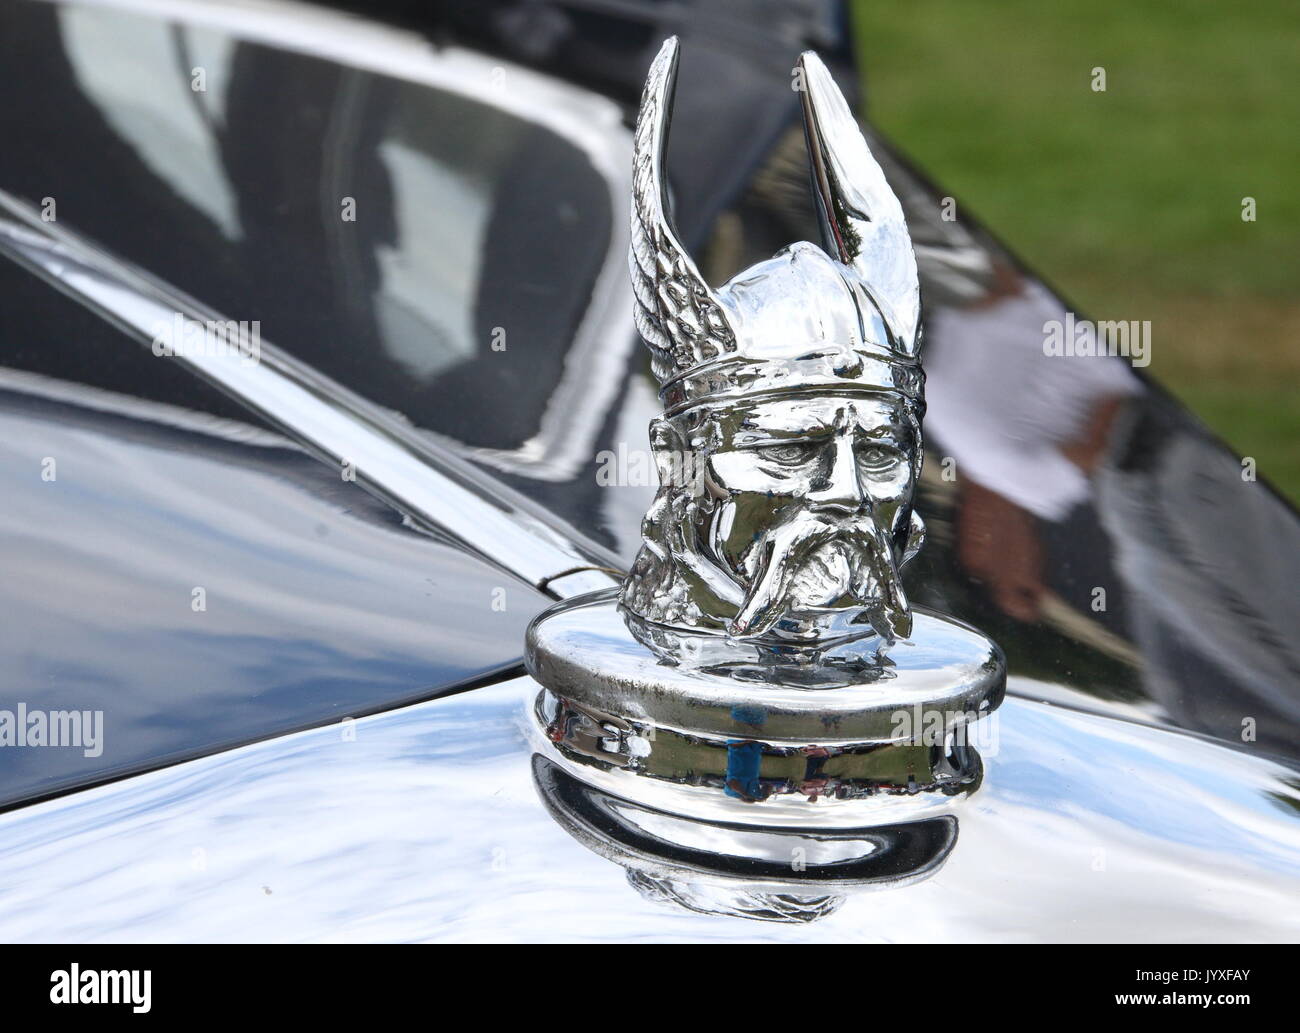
x=316 y=603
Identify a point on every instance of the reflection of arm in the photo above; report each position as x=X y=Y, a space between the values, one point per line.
x=997 y=542
x=1088 y=448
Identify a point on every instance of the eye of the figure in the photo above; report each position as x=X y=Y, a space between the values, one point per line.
x=879 y=459
x=787 y=453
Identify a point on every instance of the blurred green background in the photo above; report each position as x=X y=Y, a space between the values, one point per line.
x=1128 y=201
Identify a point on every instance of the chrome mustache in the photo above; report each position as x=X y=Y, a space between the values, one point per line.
x=814 y=562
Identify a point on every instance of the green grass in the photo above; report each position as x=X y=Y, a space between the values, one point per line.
x=1128 y=200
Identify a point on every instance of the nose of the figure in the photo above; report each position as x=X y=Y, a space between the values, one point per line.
x=836 y=486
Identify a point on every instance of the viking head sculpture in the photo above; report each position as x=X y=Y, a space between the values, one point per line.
x=790 y=440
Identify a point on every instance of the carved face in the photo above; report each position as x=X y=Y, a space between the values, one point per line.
x=847 y=457
x=796 y=388
x=803 y=509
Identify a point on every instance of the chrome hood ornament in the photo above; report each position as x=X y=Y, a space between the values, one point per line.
x=762 y=650
x=790 y=441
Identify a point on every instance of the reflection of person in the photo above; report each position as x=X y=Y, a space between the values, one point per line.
x=1204 y=557
x=815 y=783
x=744 y=762
x=1026 y=429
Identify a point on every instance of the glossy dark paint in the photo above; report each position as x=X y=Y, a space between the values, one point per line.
x=1198 y=564
x=317 y=604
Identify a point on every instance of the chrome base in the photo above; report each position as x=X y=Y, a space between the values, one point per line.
x=851 y=735
x=766 y=874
